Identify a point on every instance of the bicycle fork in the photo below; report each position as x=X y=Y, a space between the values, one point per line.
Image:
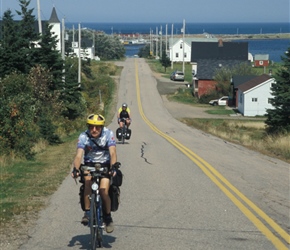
x=99 y=212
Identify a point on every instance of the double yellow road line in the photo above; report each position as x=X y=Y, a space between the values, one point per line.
x=239 y=199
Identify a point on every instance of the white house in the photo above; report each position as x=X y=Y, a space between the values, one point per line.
x=85 y=52
x=254 y=96
x=176 y=47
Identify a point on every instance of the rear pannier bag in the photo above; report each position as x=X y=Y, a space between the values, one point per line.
x=118 y=133
x=128 y=134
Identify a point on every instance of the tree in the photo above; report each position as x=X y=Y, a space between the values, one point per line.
x=50 y=58
x=109 y=47
x=28 y=38
x=144 y=52
x=8 y=48
x=17 y=128
x=165 y=61
x=223 y=77
x=278 y=119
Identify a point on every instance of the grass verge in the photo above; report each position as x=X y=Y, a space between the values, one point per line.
x=249 y=133
x=26 y=185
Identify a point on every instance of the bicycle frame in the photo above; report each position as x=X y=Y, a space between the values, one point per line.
x=96 y=211
x=124 y=130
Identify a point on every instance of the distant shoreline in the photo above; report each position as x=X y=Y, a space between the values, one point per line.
x=255 y=36
x=225 y=37
x=228 y=37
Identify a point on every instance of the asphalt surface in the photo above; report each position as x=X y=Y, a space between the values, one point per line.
x=182 y=189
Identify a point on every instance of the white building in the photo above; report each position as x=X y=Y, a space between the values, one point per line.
x=56 y=28
x=85 y=53
x=176 y=47
x=254 y=96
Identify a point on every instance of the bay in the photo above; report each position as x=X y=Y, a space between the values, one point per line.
x=274 y=47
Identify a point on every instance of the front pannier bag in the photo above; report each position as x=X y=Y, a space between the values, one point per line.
x=114 y=193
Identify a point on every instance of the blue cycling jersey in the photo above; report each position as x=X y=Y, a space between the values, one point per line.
x=96 y=150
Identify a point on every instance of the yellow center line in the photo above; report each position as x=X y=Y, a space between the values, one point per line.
x=219 y=180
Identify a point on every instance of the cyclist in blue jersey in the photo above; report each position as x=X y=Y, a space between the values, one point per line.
x=96 y=145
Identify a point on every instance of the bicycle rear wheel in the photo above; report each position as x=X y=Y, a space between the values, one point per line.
x=123 y=134
x=93 y=222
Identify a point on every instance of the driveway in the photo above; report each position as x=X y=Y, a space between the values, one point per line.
x=180 y=110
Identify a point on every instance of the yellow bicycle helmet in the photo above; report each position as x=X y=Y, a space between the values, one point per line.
x=97 y=120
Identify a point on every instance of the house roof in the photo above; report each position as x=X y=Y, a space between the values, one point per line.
x=206 y=68
x=261 y=57
x=53 y=18
x=254 y=82
x=238 y=80
x=188 y=40
x=219 y=50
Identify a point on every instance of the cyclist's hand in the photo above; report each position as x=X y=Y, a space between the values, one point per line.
x=75 y=173
x=116 y=165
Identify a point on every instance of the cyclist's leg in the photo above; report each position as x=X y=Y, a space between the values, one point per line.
x=128 y=122
x=87 y=193
x=104 y=191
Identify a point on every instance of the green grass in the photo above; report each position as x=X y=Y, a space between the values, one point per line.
x=157 y=67
x=220 y=111
x=274 y=67
x=183 y=95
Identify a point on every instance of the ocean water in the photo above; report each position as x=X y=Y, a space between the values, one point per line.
x=190 y=28
x=274 y=47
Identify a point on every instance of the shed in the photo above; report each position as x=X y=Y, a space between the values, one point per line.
x=261 y=60
x=254 y=96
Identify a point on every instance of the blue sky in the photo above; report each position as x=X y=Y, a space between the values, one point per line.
x=193 y=11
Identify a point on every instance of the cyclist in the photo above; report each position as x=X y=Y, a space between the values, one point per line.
x=96 y=145
x=124 y=112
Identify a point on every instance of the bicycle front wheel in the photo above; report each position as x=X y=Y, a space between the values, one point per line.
x=93 y=222
x=100 y=224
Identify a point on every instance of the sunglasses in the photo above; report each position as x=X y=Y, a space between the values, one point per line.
x=94 y=126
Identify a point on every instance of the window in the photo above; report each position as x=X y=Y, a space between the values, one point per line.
x=254 y=99
x=181 y=45
x=176 y=55
x=185 y=55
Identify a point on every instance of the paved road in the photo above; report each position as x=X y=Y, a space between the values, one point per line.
x=183 y=189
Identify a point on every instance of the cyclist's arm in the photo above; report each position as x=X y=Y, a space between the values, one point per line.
x=113 y=154
x=129 y=113
x=77 y=163
x=118 y=114
x=78 y=158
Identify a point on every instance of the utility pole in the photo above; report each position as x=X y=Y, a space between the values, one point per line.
x=62 y=49
x=80 y=60
x=172 y=46
x=166 y=38
x=183 y=31
x=62 y=41
x=160 y=41
x=156 y=42
x=39 y=17
x=150 y=39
